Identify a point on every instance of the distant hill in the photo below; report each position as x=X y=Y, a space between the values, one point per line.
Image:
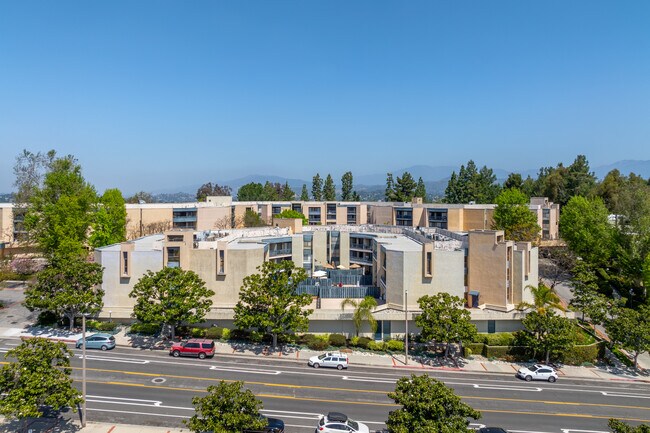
x=6 y=198
x=640 y=168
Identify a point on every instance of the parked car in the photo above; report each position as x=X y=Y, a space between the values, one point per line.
x=97 y=341
x=330 y=359
x=491 y=430
x=197 y=347
x=537 y=372
x=273 y=425
x=336 y=422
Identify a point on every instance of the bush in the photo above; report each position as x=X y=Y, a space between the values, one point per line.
x=214 y=332
x=474 y=348
x=512 y=353
x=256 y=337
x=225 y=334
x=622 y=357
x=145 y=328
x=105 y=326
x=395 y=345
x=363 y=342
x=239 y=334
x=500 y=339
x=337 y=340
x=198 y=332
x=318 y=344
x=376 y=345
x=47 y=318
x=467 y=352
x=579 y=355
x=306 y=338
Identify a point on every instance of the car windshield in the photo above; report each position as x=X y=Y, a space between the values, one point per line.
x=324 y=355
x=533 y=369
x=353 y=424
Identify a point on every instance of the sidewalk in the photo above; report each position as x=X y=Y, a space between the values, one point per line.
x=67 y=425
x=476 y=364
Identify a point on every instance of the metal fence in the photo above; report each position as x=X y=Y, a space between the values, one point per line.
x=339 y=292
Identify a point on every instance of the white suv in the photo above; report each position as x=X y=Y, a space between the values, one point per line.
x=537 y=372
x=330 y=359
x=335 y=422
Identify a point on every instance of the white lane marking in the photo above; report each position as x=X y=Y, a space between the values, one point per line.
x=361 y=379
x=140 y=404
x=137 y=413
x=245 y=370
x=569 y=430
x=110 y=359
x=623 y=394
x=506 y=387
x=126 y=400
x=310 y=415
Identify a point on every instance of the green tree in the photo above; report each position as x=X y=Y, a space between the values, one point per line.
x=420 y=190
x=304 y=195
x=405 y=187
x=268 y=301
x=585 y=228
x=171 y=296
x=611 y=189
x=487 y=188
x=287 y=193
x=620 y=427
x=347 y=186
x=228 y=408
x=252 y=191
x=69 y=286
x=452 y=192
x=289 y=213
x=38 y=377
x=513 y=217
x=444 y=319
x=514 y=180
x=329 y=190
x=472 y=185
x=109 y=222
x=210 y=189
x=317 y=188
x=271 y=191
x=428 y=406
x=631 y=329
x=60 y=213
x=141 y=197
x=389 y=194
x=252 y=219
x=547 y=333
x=586 y=296
x=356 y=196
x=544 y=298
x=580 y=180
x=362 y=312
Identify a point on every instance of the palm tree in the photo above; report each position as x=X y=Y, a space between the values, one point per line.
x=544 y=298
x=362 y=311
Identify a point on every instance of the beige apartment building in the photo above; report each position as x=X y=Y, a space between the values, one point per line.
x=396 y=265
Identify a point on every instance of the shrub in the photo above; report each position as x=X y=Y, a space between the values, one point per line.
x=376 y=345
x=395 y=345
x=622 y=357
x=468 y=352
x=500 y=339
x=318 y=344
x=213 y=333
x=47 y=318
x=511 y=352
x=145 y=328
x=106 y=326
x=337 y=340
x=225 y=334
x=579 y=355
x=239 y=334
x=306 y=338
x=183 y=331
x=255 y=337
x=363 y=342
x=475 y=348
x=198 y=332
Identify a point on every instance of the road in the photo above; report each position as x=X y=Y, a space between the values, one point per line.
x=144 y=387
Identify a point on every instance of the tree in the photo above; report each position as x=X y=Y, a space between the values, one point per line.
x=268 y=301
x=109 y=222
x=621 y=427
x=586 y=230
x=543 y=298
x=329 y=190
x=287 y=194
x=170 y=297
x=472 y=185
x=39 y=376
x=405 y=187
x=547 y=333
x=141 y=197
x=513 y=217
x=356 y=196
x=362 y=312
x=445 y=320
x=487 y=188
x=304 y=195
x=389 y=194
x=586 y=296
x=421 y=190
x=428 y=406
x=227 y=408
x=60 y=213
x=611 y=189
x=346 y=186
x=209 y=189
x=69 y=286
x=289 y=213
x=580 y=181
x=514 y=180
x=252 y=219
x=631 y=329
x=252 y=191
x=271 y=191
x=317 y=188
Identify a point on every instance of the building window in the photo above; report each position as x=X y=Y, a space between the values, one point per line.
x=438 y=218
x=174 y=238
x=331 y=211
x=429 y=263
x=404 y=217
x=173 y=257
x=222 y=262
x=125 y=263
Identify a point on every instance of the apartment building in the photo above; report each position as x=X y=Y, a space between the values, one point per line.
x=396 y=265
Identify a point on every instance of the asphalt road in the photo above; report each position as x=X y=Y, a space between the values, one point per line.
x=145 y=387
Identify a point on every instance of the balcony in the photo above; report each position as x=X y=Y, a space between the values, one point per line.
x=185 y=219
x=361 y=260
x=280 y=252
x=360 y=246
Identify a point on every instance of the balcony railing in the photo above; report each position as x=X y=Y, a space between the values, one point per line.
x=280 y=252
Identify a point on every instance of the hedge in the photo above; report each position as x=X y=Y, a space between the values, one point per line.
x=475 y=348
x=145 y=328
x=337 y=340
x=581 y=354
x=577 y=355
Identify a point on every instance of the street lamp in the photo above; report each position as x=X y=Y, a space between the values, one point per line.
x=406 y=326
x=110 y=316
x=83 y=369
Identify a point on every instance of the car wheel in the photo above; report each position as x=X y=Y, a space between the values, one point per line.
x=316 y=365
x=339 y=367
x=78 y=346
x=529 y=378
x=104 y=347
x=201 y=355
x=552 y=379
x=176 y=353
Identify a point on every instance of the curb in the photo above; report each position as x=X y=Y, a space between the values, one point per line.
x=63 y=340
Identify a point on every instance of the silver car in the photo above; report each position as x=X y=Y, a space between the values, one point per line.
x=537 y=372
x=332 y=359
x=98 y=341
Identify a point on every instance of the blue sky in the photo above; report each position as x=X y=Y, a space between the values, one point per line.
x=153 y=94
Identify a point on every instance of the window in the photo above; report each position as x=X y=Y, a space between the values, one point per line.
x=125 y=263
x=192 y=345
x=174 y=238
x=173 y=257
x=429 y=263
x=222 y=262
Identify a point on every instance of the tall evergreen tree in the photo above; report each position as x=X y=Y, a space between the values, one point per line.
x=304 y=195
x=329 y=190
x=346 y=186
x=389 y=194
x=405 y=187
x=270 y=191
x=287 y=192
x=317 y=188
x=421 y=190
x=452 y=194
